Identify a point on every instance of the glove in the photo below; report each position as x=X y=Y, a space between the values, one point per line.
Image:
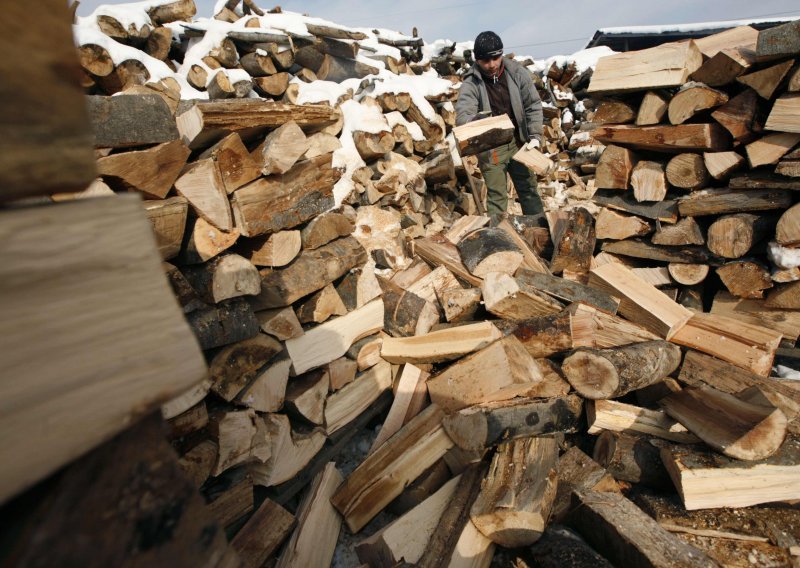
x=534 y=143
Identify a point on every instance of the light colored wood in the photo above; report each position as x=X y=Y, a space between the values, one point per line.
x=649 y=181
x=263 y=534
x=321 y=306
x=668 y=65
x=611 y=111
x=342 y=371
x=737 y=428
x=472 y=550
x=52 y=267
x=276 y=250
x=384 y=474
x=611 y=225
x=373 y=145
x=721 y=164
x=567 y=290
x=290 y=451
x=484 y=134
x=205 y=241
x=331 y=340
x=438 y=251
x=460 y=304
x=346 y=404
x=615 y=168
x=684 y=232
x=515 y=373
x=738 y=115
x=639 y=301
x=240 y=436
x=766 y=81
x=530 y=259
x=652 y=109
x=234 y=366
x=151 y=171
x=756 y=312
x=741 y=36
x=318 y=524
x=787 y=231
x=325 y=228
x=513 y=506
x=489 y=250
x=745 y=345
x=224 y=277
x=576 y=470
x=431 y=286
x=440 y=346
x=688 y=274
x=168 y=217
x=202 y=185
x=683 y=137
x=687 y=171
x=506 y=298
x=411 y=389
x=657 y=276
x=771 y=148
x=693 y=99
x=725 y=66
x=267 y=392
x=707 y=480
x=236 y=166
x=620 y=417
x=716 y=201
x=534 y=160
x=465 y=225
x=783 y=116
x=787 y=297
x=745 y=278
x=405 y=538
x=281 y=323
x=305 y=396
x=733 y=236
x=597 y=329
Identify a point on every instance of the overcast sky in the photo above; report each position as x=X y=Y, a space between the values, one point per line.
x=530 y=27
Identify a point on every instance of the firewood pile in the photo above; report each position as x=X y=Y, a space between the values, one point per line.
x=547 y=385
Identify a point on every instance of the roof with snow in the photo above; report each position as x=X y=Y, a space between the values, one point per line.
x=631 y=38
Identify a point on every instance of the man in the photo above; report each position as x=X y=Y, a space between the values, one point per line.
x=496 y=86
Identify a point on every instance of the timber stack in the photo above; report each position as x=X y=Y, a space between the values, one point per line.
x=536 y=389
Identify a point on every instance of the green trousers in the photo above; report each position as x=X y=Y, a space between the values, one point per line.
x=494 y=165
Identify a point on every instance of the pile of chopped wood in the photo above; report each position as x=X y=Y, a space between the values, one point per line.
x=328 y=261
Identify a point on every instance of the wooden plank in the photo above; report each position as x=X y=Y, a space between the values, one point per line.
x=47 y=257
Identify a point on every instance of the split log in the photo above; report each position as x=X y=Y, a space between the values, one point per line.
x=785 y=297
x=317 y=346
x=262 y=535
x=719 y=201
x=771 y=148
x=202 y=185
x=321 y=305
x=758 y=313
x=438 y=251
x=706 y=479
x=489 y=250
x=305 y=396
x=545 y=336
x=114 y=285
x=576 y=470
x=629 y=537
x=274 y=203
x=485 y=425
x=684 y=232
x=267 y=392
x=693 y=99
x=224 y=277
x=282 y=148
x=318 y=524
x=346 y=404
x=684 y=137
x=431 y=286
x=568 y=291
x=783 y=116
x=151 y=171
x=738 y=115
x=737 y=428
x=241 y=438
x=196 y=464
x=290 y=451
x=652 y=109
x=508 y=299
x=276 y=250
x=439 y=346
x=530 y=258
x=779 y=41
x=222 y=86
x=615 y=168
x=311 y=271
x=667 y=65
x=599 y=330
x=640 y=302
x=258 y=64
x=383 y=475
x=325 y=228
x=281 y=323
x=664 y=211
x=688 y=274
x=460 y=304
x=687 y=171
x=342 y=371
x=130 y=120
x=223 y=324
x=573 y=242
x=534 y=160
x=273 y=85
x=789 y=165
x=766 y=81
x=627 y=418
x=745 y=279
x=235 y=164
x=372 y=146
x=466 y=382
x=649 y=181
x=194 y=419
x=721 y=164
x=733 y=236
x=514 y=504
x=612 y=225
x=406 y=313
x=611 y=373
x=204 y=241
x=484 y=134
x=611 y=111
x=338 y=69
x=631 y=458
x=168 y=217
x=726 y=65
x=235 y=366
x=744 y=345
x=409 y=400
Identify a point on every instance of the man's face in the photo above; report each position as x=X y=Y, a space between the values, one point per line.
x=490 y=66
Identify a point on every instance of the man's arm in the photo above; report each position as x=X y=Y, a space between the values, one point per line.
x=467 y=104
x=533 y=107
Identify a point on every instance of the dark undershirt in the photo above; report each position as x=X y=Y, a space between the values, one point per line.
x=499 y=98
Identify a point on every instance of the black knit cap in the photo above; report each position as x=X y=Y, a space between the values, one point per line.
x=488 y=45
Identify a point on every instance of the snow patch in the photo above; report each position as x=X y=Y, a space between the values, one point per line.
x=783 y=257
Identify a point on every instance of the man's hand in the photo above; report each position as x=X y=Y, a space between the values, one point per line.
x=534 y=143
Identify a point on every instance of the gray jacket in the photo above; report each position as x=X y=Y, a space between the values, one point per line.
x=525 y=101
